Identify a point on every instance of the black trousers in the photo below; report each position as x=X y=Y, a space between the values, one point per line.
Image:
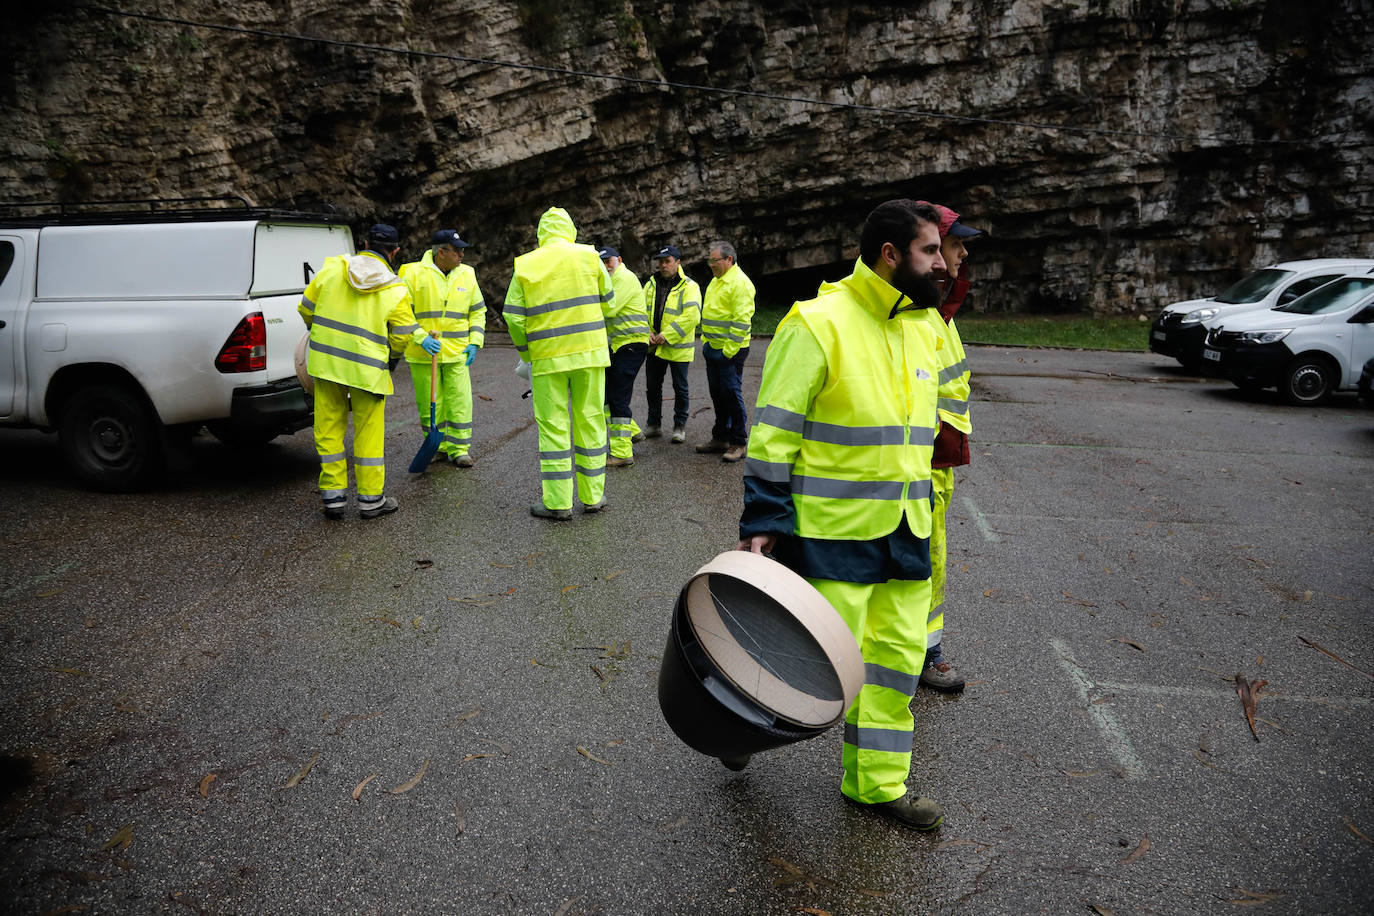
x=654 y=370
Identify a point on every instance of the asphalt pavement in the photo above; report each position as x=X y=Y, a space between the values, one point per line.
x=213 y=699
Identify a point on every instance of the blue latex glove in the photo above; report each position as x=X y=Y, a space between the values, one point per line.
x=431 y=346
x=470 y=351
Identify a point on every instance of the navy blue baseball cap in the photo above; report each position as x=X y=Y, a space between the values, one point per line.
x=608 y=252
x=383 y=234
x=669 y=252
x=960 y=231
x=448 y=237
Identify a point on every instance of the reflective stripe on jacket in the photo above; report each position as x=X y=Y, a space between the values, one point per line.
x=358 y=313
x=447 y=306
x=954 y=377
x=681 y=312
x=727 y=312
x=847 y=411
x=627 y=321
x=556 y=300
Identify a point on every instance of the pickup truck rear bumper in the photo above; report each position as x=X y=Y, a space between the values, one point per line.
x=282 y=407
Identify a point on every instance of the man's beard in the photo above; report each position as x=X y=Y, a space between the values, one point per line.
x=922 y=288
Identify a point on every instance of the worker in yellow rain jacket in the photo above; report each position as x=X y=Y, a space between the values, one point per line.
x=627 y=329
x=951 y=442
x=555 y=311
x=727 y=315
x=673 y=303
x=448 y=304
x=358 y=313
x=837 y=481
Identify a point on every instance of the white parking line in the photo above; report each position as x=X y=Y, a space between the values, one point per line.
x=981 y=520
x=1115 y=736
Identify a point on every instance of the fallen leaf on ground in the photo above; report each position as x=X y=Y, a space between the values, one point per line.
x=1101 y=910
x=56 y=591
x=395 y=623
x=499 y=745
x=987 y=594
x=358 y=789
x=567 y=588
x=813 y=910
x=1355 y=830
x=295 y=780
x=1127 y=642
x=462 y=821
x=473 y=757
x=590 y=756
x=424 y=564
x=614 y=574
x=1079 y=601
x=413 y=781
x=467 y=715
x=1307 y=642
x=484 y=397
x=502 y=566
x=1140 y=850
x=1248 y=692
x=120 y=840
x=598 y=673
x=205 y=784
x=349 y=720
x=1251 y=898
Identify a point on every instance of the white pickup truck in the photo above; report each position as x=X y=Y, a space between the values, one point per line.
x=126 y=332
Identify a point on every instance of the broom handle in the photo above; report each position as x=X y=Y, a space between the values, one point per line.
x=433 y=379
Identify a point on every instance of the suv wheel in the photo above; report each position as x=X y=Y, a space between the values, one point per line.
x=1307 y=381
x=109 y=437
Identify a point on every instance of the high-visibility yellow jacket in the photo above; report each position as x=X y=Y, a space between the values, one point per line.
x=448 y=306
x=358 y=313
x=847 y=411
x=555 y=304
x=955 y=387
x=626 y=320
x=681 y=312
x=727 y=312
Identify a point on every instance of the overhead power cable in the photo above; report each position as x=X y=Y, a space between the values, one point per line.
x=692 y=87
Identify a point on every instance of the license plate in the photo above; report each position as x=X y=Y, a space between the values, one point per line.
x=1213 y=355
x=1158 y=335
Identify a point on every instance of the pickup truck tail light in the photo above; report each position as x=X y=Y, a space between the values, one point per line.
x=246 y=348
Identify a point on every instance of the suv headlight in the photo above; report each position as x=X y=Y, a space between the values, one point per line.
x=1264 y=337
x=1197 y=316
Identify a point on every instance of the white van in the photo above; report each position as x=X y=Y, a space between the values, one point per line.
x=1309 y=348
x=1179 y=330
x=123 y=331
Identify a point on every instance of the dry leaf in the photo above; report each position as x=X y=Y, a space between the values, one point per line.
x=502 y=566
x=467 y=715
x=1307 y=642
x=415 y=623
x=499 y=745
x=1250 y=898
x=1248 y=693
x=413 y=781
x=484 y=397
x=395 y=623
x=473 y=757
x=358 y=789
x=1355 y=830
x=614 y=574
x=120 y=840
x=813 y=910
x=462 y=821
x=205 y=785
x=1139 y=851
x=567 y=588
x=598 y=673
x=987 y=594
x=56 y=591
x=1127 y=642
x=590 y=756
x=295 y=780
x=1101 y=910
x=424 y=564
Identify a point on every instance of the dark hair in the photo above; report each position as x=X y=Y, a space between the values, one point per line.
x=895 y=221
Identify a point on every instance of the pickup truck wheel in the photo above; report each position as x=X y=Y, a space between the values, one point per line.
x=1307 y=381
x=237 y=436
x=109 y=437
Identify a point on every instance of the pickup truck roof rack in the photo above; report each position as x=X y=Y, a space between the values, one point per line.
x=151 y=210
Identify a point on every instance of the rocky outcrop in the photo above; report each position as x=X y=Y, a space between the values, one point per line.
x=1177 y=142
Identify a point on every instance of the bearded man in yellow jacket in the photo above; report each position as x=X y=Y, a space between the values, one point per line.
x=838 y=481
x=555 y=311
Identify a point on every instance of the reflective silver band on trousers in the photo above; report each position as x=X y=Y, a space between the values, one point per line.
x=900 y=681
x=892 y=740
x=369 y=462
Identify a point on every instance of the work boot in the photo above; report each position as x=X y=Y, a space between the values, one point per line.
x=463 y=461
x=734 y=453
x=940 y=676
x=652 y=431
x=539 y=510
x=638 y=437
x=377 y=506
x=736 y=762
x=914 y=811
x=679 y=435
x=596 y=506
x=714 y=447
x=614 y=462
x=334 y=513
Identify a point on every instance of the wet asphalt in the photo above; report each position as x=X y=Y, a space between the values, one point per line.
x=212 y=699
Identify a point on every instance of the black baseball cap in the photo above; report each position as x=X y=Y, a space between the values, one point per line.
x=383 y=234
x=960 y=231
x=608 y=252
x=669 y=252
x=448 y=237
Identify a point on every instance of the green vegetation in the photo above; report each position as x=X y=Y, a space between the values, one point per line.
x=1076 y=331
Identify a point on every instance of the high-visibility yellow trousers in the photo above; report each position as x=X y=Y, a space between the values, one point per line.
x=888 y=622
x=942 y=489
x=564 y=445
x=620 y=430
x=332 y=404
x=453 y=407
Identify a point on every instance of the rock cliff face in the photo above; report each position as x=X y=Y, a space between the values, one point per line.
x=1222 y=134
